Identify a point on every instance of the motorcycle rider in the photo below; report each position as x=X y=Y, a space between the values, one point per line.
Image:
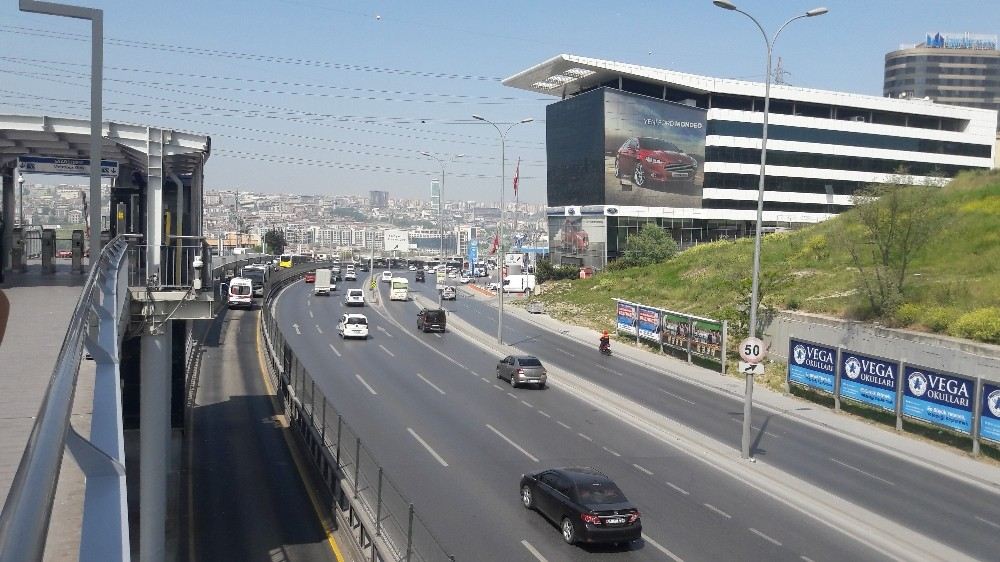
x=605 y=341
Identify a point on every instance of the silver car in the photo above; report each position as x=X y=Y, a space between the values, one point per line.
x=522 y=369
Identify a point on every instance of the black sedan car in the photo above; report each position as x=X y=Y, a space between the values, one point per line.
x=585 y=503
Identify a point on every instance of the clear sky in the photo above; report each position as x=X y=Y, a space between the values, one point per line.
x=324 y=96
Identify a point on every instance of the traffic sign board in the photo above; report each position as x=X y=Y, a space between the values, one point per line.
x=752 y=350
x=751 y=368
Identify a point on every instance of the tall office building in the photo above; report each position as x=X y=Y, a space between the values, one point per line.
x=378 y=199
x=953 y=69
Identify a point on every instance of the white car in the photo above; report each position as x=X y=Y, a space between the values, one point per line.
x=353 y=326
x=452 y=275
x=413 y=268
x=350 y=275
x=354 y=297
x=449 y=293
x=466 y=278
x=493 y=286
x=386 y=276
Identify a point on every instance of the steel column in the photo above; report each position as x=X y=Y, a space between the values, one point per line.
x=154 y=426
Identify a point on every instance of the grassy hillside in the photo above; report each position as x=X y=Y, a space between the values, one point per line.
x=953 y=282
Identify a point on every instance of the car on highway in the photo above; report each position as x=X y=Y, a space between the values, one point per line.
x=354 y=297
x=310 y=277
x=493 y=286
x=448 y=293
x=585 y=503
x=420 y=276
x=413 y=268
x=386 y=276
x=522 y=369
x=452 y=275
x=648 y=159
x=239 y=294
x=353 y=325
x=350 y=275
x=431 y=319
x=466 y=278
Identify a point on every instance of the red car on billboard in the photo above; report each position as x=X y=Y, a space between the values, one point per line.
x=647 y=159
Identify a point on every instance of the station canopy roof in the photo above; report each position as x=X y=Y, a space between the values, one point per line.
x=60 y=137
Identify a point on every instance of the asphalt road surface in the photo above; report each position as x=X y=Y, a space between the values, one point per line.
x=456 y=441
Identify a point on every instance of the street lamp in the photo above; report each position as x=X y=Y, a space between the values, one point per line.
x=20 y=185
x=503 y=180
x=442 y=162
x=96 y=18
x=748 y=396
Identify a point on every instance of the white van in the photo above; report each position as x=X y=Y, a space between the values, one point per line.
x=324 y=283
x=400 y=289
x=387 y=277
x=240 y=293
x=519 y=283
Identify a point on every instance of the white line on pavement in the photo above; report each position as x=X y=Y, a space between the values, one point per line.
x=498 y=387
x=544 y=414
x=561 y=350
x=763 y=536
x=717 y=510
x=988 y=522
x=318 y=329
x=334 y=350
x=437 y=335
x=475 y=374
x=426 y=446
x=309 y=302
x=297 y=330
x=642 y=469
x=528 y=404
x=681 y=398
x=562 y=424
x=845 y=465
x=615 y=453
x=587 y=437
x=311 y=314
x=383 y=330
x=535 y=553
x=486 y=380
x=678 y=488
x=512 y=444
x=512 y=395
x=368 y=386
x=805 y=558
x=434 y=386
x=661 y=548
x=391 y=354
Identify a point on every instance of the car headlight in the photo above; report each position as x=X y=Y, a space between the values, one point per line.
x=652 y=160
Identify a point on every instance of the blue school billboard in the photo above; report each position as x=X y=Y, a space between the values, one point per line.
x=812 y=365
x=869 y=380
x=626 y=317
x=937 y=398
x=989 y=418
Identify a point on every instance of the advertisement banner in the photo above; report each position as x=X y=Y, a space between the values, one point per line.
x=649 y=324
x=674 y=330
x=396 y=240
x=706 y=339
x=812 y=365
x=626 y=317
x=937 y=398
x=869 y=380
x=989 y=419
x=473 y=253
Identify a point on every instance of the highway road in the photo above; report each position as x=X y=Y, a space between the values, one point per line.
x=914 y=495
x=456 y=441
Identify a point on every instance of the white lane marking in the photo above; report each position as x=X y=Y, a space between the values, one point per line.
x=383 y=330
x=512 y=444
x=587 y=437
x=426 y=446
x=544 y=414
x=437 y=335
x=641 y=469
x=368 y=386
x=311 y=314
x=434 y=386
x=334 y=350
x=678 y=488
x=988 y=522
x=740 y=421
x=661 y=548
x=805 y=558
x=765 y=537
x=512 y=395
x=562 y=424
x=498 y=387
x=475 y=374
x=486 y=380
x=528 y=404
x=561 y=350
x=681 y=398
x=309 y=302
x=845 y=465
x=391 y=354
x=318 y=329
x=615 y=453
x=717 y=510
x=535 y=553
x=297 y=330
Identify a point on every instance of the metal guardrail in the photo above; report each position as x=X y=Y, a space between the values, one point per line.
x=24 y=521
x=383 y=521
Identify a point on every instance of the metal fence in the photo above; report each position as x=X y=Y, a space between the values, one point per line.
x=383 y=521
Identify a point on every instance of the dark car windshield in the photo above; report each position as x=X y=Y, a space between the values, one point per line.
x=242 y=290
x=434 y=315
x=357 y=320
x=599 y=493
x=254 y=274
x=529 y=362
x=657 y=144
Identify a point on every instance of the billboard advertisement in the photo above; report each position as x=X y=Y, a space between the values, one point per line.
x=989 y=419
x=578 y=240
x=869 y=380
x=626 y=317
x=812 y=365
x=654 y=151
x=938 y=398
x=396 y=240
x=649 y=324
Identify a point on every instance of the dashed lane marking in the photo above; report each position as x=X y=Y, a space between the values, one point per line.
x=318 y=329
x=526 y=403
x=544 y=414
x=587 y=437
x=562 y=424
x=512 y=395
x=717 y=510
x=534 y=552
x=615 y=453
x=362 y=381
x=879 y=478
x=988 y=522
x=334 y=349
x=389 y=353
x=428 y=447
x=512 y=443
x=311 y=314
x=681 y=398
x=765 y=537
x=678 y=488
x=383 y=330
x=434 y=386
x=661 y=548
x=643 y=469
x=498 y=387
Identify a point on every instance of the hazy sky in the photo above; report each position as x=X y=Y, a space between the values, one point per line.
x=317 y=96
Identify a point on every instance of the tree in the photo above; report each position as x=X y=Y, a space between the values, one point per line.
x=650 y=245
x=891 y=223
x=545 y=271
x=275 y=240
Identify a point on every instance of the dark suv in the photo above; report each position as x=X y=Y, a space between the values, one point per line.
x=429 y=319
x=419 y=276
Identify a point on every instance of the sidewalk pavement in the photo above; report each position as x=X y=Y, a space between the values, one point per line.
x=945 y=459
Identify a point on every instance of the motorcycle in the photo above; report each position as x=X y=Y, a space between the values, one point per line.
x=605 y=349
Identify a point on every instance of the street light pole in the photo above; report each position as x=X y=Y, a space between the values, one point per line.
x=442 y=162
x=503 y=181
x=769 y=42
x=20 y=200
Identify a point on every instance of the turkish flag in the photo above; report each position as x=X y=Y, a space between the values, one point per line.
x=496 y=244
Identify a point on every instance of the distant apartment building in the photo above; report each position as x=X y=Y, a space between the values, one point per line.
x=378 y=199
x=953 y=69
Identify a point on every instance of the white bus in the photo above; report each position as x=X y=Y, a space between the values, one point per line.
x=399 y=290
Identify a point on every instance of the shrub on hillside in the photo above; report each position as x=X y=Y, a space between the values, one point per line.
x=545 y=271
x=650 y=245
x=982 y=325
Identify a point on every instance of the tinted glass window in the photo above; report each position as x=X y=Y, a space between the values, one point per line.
x=549 y=478
x=600 y=493
x=357 y=320
x=529 y=362
x=239 y=290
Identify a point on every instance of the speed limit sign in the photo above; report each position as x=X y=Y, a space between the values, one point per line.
x=752 y=350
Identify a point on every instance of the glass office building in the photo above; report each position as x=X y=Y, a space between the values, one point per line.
x=629 y=145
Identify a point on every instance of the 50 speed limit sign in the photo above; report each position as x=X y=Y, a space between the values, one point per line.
x=752 y=350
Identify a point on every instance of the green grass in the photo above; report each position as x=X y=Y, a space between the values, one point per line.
x=956 y=274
